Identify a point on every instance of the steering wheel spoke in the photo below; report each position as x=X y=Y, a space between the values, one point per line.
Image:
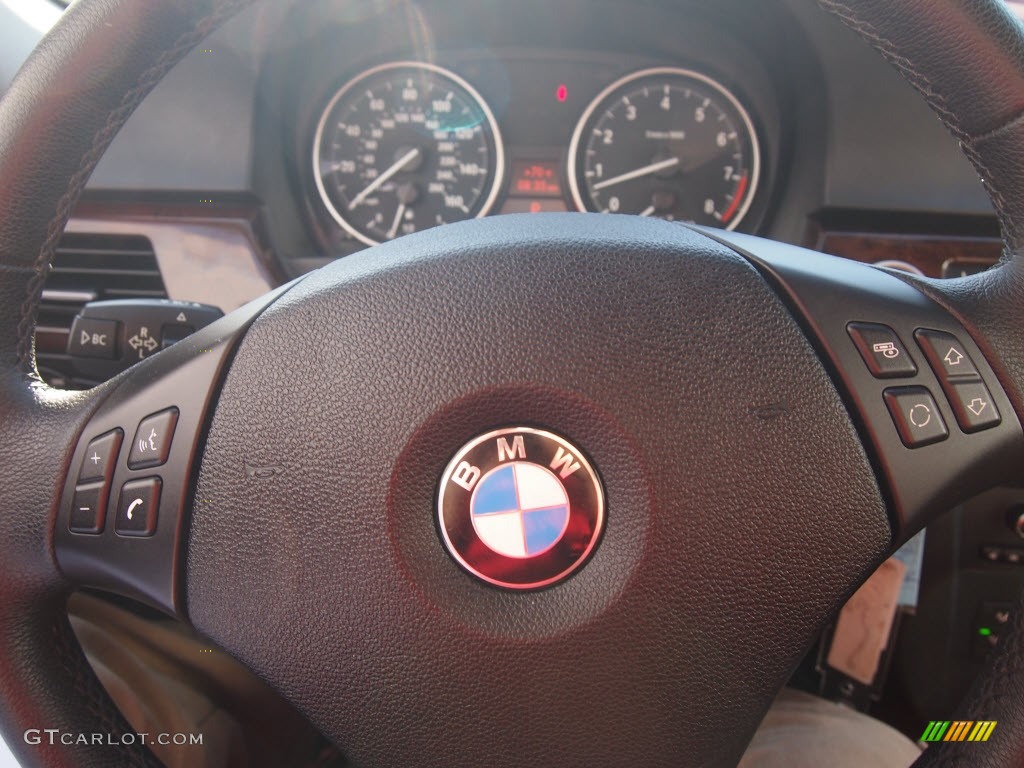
x=123 y=512
x=929 y=406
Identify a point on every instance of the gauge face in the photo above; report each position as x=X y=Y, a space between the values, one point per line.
x=405 y=147
x=669 y=143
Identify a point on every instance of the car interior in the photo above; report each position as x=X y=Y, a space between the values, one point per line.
x=276 y=277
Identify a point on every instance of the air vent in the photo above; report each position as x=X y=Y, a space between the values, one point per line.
x=89 y=267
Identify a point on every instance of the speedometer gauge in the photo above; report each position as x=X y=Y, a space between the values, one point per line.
x=666 y=142
x=404 y=147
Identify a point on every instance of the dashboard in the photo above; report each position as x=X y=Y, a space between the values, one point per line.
x=451 y=117
x=822 y=138
x=306 y=131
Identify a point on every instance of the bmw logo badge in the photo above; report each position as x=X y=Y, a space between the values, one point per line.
x=520 y=508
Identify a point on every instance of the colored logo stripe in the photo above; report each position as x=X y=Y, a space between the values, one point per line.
x=982 y=730
x=935 y=731
x=958 y=730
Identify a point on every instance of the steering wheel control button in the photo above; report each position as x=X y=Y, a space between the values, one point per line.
x=152 y=442
x=946 y=355
x=93 y=338
x=137 y=507
x=966 y=391
x=882 y=350
x=916 y=416
x=100 y=456
x=973 y=406
x=520 y=508
x=88 y=509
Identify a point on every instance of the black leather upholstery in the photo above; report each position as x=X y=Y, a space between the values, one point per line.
x=45 y=681
x=59 y=115
x=101 y=60
x=967 y=60
x=715 y=569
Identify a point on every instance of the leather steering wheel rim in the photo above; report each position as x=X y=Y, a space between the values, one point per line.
x=84 y=80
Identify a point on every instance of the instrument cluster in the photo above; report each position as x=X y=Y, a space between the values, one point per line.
x=406 y=145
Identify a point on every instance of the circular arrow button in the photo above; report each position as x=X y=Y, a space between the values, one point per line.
x=916 y=416
x=920 y=415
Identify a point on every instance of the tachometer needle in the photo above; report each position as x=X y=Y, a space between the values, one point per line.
x=647 y=170
x=398 y=218
x=376 y=184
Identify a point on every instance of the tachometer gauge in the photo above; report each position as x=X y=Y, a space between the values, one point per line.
x=666 y=142
x=404 y=147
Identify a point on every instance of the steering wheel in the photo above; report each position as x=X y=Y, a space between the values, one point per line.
x=757 y=457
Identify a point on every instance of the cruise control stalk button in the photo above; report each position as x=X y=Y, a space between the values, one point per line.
x=916 y=416
x=882 y=350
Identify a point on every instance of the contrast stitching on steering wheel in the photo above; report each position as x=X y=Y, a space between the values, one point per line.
x=101 y=140
x=937 y=102
x=998 y=201
x=889 y=51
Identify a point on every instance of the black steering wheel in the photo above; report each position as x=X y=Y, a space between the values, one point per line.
x=757 y=464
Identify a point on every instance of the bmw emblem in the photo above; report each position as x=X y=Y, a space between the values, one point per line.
x=520 y=508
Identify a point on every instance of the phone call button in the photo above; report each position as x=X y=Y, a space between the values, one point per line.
x=137 y=507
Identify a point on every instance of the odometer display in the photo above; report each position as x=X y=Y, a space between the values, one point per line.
x=404 y=147
x=666 y=142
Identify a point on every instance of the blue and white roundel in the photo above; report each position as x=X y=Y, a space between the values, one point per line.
x=520 y=509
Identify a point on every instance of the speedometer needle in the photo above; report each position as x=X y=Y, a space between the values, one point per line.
x=376 y=184
x=637 y=173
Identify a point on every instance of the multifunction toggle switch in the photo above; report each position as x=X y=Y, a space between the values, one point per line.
x=966 y=391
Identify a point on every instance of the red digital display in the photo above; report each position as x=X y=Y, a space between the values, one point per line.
x=531 y=178
x=525 y=205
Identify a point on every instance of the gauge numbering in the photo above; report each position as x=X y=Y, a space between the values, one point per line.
x=404 y=147
x=666 y=142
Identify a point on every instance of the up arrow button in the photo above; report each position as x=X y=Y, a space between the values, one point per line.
x=946 y=355
x=953 y=357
